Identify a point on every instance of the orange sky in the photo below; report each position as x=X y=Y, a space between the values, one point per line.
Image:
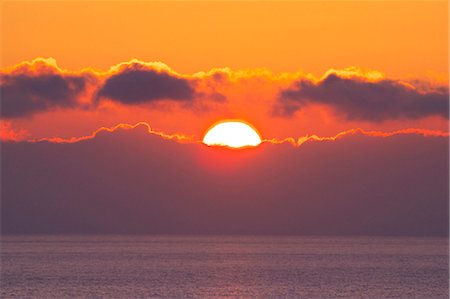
x=350 y=98
x=400 y=38
x=403 y=40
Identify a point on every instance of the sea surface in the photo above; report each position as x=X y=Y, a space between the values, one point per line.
x=223 y=267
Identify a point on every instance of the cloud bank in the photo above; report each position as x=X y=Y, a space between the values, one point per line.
x=130 y=181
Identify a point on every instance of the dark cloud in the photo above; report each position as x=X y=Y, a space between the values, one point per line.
x=28 y=93
x=140 y=86
x=24 y=95
x=361 y=100
x=133 y=182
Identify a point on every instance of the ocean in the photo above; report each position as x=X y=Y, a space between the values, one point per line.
x=116 y=266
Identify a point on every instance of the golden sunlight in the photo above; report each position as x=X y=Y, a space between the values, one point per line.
x=235 y=134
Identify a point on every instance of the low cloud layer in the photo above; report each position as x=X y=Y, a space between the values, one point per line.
x=358 y=99
x=130 y=181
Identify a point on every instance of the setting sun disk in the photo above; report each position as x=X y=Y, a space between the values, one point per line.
x=235 y=134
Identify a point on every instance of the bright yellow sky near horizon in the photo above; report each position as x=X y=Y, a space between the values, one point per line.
x=401 y=39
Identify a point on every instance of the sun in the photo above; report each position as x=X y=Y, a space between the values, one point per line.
x=235 y=134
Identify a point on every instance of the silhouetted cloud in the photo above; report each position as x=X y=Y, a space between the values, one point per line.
x=140 y=86
x=26 y=94
x=40 y=85
x=358 y=99
x=130 y=181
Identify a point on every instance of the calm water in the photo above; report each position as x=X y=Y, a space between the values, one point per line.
x=223 y=267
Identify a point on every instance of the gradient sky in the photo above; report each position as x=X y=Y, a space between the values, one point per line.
x=351 y=99
x=400 y=38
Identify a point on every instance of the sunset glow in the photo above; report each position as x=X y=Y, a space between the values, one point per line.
x=234 y=134
x=224 y=149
